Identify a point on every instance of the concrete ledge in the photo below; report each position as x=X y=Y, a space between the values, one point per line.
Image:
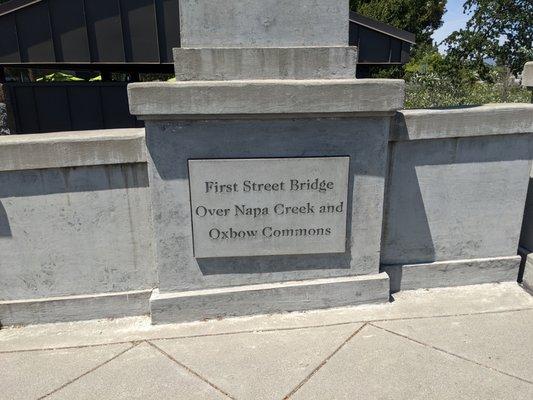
x=72 y=149
x=202 y=99
x=268 y=298
x=452 y=273
x=74 y=308
x=527 y=75
x=492 y=119
x=265 y=63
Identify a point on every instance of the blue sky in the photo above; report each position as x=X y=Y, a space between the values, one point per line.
x=453 y=19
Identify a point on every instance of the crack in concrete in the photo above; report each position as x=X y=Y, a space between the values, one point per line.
x=191 y=371
x=324 y=362
x=133 y=345
x=249 y=331
x=451 y=354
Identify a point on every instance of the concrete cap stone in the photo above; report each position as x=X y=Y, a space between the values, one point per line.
x=254 y=98
x=263 y=23
x=72 y=149
x=527 y=75
x=490 y=119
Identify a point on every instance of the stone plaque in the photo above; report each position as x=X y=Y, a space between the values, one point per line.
x=268 y=206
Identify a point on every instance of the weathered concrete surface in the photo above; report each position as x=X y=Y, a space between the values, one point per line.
x=320 y=354
x=492 y=119
x=74 y=231
x=198 y=305
x=172 y=144
x=452 y=273
x=455 y=199
x=424 y=303
x=35 y=374
x=462 y=335
x=527 y=75
x=280 y=97
x=4 y=128
x=72 y=149
x=377 y=364
x=75 y=308
x=274 y=361
x=265 y=23
x=265 y=63
x=161 y=378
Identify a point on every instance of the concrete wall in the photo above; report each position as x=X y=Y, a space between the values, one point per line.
x=74 y=226
x=455 y=195
x=76 y=233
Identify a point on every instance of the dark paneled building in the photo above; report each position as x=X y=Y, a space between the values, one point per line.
x=133 y=36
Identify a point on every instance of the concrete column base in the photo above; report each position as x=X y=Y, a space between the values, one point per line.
x=452 y=273
x=268 y=298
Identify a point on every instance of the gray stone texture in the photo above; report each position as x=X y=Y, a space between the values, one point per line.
x=74 y=231
x=157 y=377
x=199 y=305
x=377 y=364
x=455 y=198
x=33 y=375
x=272 y=362
x=215 y=64
x=172 y=144
x=72 y=149
x=486 y=120
x=4 y=128
x=75 y=308
x=281 y=98
x=485 y=353
x=266 y=23
x=463 y=334
x=452 y=273
x=527 y=75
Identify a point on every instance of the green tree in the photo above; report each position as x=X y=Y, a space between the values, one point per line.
x=421 y=17
x=499 y=30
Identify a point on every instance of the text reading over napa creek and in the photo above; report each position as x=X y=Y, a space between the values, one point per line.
x=268 y=206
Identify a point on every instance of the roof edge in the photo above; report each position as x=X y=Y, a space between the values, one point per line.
x=15 y=5
x=382 y=27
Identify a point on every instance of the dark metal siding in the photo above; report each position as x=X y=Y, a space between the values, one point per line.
x=377 y=47
x=69 y=106
x=90 y=31
x=69 y=31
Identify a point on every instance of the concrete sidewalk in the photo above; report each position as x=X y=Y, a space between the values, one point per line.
x=463 y=343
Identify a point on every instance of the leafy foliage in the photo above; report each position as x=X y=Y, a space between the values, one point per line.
x=501 y=30
x=435 y=80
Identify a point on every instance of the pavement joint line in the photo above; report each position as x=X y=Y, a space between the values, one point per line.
x=133 y=345
x=324 y=362
x=249 y=331
x=451 y=354
x=190 y=370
